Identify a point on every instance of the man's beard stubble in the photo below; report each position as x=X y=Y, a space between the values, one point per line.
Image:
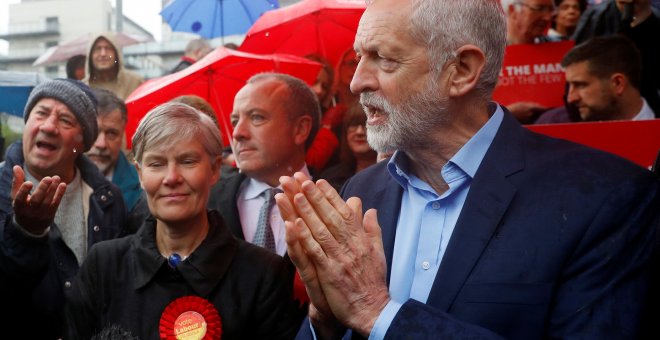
x=104 y=165
x=409 y=125
x=609 y=111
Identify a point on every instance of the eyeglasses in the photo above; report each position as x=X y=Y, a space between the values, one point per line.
x=538 y=8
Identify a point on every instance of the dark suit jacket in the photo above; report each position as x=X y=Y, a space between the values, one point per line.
x=126 y=282
x=553 y=242
x=223 y=198
x=224 y=195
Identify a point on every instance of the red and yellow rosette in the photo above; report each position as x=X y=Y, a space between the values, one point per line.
x=190 y=318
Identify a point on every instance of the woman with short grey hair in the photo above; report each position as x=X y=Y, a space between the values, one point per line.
x=183 y=272
x=172 y=123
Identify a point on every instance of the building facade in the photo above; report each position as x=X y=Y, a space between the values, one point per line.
x=36 y=25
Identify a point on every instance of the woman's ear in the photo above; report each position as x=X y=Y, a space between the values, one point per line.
x=216 y=163
x=466 y=70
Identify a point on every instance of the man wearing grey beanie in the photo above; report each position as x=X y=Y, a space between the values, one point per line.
x=54 y=205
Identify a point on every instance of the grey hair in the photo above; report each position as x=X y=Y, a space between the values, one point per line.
x=507 y=3
x=108 y=102
x=301 y=100
x=446 y=25
x=170 y=123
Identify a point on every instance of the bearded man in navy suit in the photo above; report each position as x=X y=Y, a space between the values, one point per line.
x=475 y=227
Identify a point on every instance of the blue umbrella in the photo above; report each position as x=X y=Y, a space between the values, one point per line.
x=215 y=18
x=15 y=88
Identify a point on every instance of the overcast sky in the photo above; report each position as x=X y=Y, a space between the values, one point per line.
x=144 y=12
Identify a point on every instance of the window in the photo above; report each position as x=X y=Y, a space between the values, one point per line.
x=52 y=23
x=51 y=71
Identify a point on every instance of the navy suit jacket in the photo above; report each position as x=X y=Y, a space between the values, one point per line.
x=554 y=240
x=224 y=197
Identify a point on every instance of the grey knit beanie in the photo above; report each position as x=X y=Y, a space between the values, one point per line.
x=77 y=96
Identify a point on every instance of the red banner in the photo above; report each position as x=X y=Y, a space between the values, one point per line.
x=532 y=73
x=637 y=141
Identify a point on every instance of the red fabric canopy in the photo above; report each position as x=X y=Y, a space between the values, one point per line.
x=217 y=78
x=323 y=27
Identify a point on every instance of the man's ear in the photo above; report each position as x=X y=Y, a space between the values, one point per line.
x=465 y=71
x=302 y=129
x=619 y=83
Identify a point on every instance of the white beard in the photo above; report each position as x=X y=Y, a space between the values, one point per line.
x=408 y=125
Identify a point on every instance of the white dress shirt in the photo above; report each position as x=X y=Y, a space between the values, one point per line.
x=250 y=199
x=645 y=113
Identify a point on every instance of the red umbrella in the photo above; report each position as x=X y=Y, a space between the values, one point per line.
x=324 y=27
x=217 y=78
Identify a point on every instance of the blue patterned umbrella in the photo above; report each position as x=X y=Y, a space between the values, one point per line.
x=215 y=18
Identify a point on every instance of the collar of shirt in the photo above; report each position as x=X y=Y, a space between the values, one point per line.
x=254 y=188
x=466 y=160
x=249 y=202
x=645 y=113
x=202 y=270
x=427 y=221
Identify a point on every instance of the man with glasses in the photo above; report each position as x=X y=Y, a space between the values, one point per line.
x=527 y=20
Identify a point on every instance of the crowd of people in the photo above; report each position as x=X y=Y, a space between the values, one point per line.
x=527 y=23
x=392 y=198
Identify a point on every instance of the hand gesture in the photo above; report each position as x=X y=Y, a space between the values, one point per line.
x=526 y=112
x=327 y=327
x=338 y=252
x=35 y=212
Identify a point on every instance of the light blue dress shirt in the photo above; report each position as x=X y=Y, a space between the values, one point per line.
x=427 y=220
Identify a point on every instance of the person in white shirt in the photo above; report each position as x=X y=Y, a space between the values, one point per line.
x=275 y=119
x=604 y=76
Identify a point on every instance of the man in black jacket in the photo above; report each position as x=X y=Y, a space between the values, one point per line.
x=54 y=204
x=639 y=21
